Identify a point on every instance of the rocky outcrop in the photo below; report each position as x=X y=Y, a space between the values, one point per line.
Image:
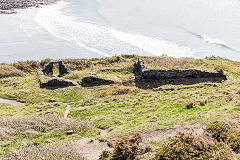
x=174 y=74
x=95 y=81
x=17 y=4
x=58 y=83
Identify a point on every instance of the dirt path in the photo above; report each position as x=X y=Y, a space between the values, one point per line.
x=67 y=111
x=92 y=148
x=89 y=148
x=12 y=102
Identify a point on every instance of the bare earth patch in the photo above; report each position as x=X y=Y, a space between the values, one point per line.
x=11 y=102
x=87 y=146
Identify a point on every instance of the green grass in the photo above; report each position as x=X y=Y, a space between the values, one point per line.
x=156 y=107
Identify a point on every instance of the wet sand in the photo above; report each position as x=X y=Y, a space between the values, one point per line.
x=22 y=38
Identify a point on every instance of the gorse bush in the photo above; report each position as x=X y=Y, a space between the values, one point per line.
x=219 y=130
x=118 y=91
x=234 y=141
x=189 y=146
x=127 y=148
x=189 y=105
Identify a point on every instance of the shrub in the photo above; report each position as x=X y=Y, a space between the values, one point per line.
x=127 y=148
x=27 y=66
x=234 y=141
x=203 y=103
x=118 y=91
x=109 y=60
x=77 y=64
x=189 y=146
x=44 y=62
x=219 y=130
x=189 y=105
x=105 y=155
x=9 y=71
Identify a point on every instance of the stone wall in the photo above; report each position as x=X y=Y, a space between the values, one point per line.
x=48 y=68
x=139 y=66
x=174 y=74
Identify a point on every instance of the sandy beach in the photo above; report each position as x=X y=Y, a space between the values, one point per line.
x=23 y=39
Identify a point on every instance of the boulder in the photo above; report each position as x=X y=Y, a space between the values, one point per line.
x=58 y=82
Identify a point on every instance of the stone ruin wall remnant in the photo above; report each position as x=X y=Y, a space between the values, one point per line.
x=48 y=69
x=174 y=74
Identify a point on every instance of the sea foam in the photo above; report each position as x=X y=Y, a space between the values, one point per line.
x=104 y=40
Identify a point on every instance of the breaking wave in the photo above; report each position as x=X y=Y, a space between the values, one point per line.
x=104 y=40
x=214 y=41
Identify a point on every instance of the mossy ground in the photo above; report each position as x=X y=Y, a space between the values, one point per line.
x=158 y=105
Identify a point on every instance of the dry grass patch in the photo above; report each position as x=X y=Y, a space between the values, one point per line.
x=9 y=71
x=42 y=123
x=39 y=130
x=165 y=62
x=49 y=152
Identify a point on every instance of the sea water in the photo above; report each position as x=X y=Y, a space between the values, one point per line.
x=178 y=28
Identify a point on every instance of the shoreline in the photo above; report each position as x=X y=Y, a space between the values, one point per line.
x=9 y=6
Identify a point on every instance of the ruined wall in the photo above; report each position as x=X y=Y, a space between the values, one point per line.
x=48 y=68
x=139 y=66
x=173 y=74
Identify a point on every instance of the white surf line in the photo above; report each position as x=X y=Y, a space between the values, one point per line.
x=11 y=102
x=91 y=49
x=153 y=45
x=55 y=20
x=217 y=42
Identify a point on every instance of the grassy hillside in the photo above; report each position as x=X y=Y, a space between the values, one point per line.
x=152 y=105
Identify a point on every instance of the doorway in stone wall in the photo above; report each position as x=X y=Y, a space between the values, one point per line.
x=55 y=68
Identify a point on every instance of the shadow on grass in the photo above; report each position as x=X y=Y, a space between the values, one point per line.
x=92 y=81
x=52 y=87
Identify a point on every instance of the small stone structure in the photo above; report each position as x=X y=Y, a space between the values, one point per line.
x=54 y=82
x=48 y=69
x=58 y=83
x=174 y=74
x=95 y=81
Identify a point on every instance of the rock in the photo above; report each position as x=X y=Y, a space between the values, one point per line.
x=52 y=100
x=70 y=132
x=58 y=82
x=31 y=132
x=120 y=59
